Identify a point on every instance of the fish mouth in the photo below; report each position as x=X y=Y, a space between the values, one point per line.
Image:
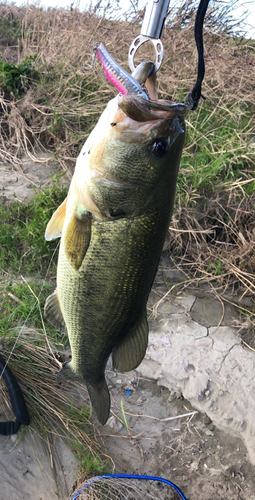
x=138 y=96
x=141 y=110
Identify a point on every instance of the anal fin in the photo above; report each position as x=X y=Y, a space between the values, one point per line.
x=77 y=238
x=132 y=349
x=55 y=225
x=53 y=312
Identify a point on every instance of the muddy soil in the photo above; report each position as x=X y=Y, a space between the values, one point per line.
x=202 y=460
x=163 y=435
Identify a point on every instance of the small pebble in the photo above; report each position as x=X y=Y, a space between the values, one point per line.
x=140 y=401
x=134 y=382
x=207 y=420
x=114 y=423
x=208 y=432
x=211 y=426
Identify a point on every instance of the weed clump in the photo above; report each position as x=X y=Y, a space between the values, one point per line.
x=10 y=28
x=15 y=79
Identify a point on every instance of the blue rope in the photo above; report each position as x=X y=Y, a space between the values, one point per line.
x=131 y=476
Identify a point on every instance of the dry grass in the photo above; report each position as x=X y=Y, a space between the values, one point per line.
x=216 y=245
x=59 y=112
x=56 y=412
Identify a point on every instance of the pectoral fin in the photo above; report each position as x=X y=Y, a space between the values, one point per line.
x=53 y=312
x=132 y=349
x=77 y=238
x=55 y=225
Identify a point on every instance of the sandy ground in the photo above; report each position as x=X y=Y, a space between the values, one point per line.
x=20 y=183
x=203 y=461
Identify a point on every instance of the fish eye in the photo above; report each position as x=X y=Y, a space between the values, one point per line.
x=158 y=147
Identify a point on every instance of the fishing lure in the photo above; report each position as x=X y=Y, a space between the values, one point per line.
x=119 y=77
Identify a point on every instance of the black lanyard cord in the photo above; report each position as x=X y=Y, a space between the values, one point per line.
x=18 y=403
x=193 y=97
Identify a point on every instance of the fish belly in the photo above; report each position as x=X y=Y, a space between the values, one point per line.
x=103 y=300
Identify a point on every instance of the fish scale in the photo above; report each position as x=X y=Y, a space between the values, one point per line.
x=127 y=275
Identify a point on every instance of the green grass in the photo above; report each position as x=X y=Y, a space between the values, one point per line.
x=23 y=247
x=22 y=307
x=217 y=149
x=89 y=465
x=10 y=29
x=16 y=79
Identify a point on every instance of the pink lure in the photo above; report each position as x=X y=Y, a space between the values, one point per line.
x=119 y=77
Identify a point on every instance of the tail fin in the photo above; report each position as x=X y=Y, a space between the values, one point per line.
x=100 y=399
x=98 y=391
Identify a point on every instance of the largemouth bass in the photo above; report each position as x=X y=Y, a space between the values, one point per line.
x=113 y=224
